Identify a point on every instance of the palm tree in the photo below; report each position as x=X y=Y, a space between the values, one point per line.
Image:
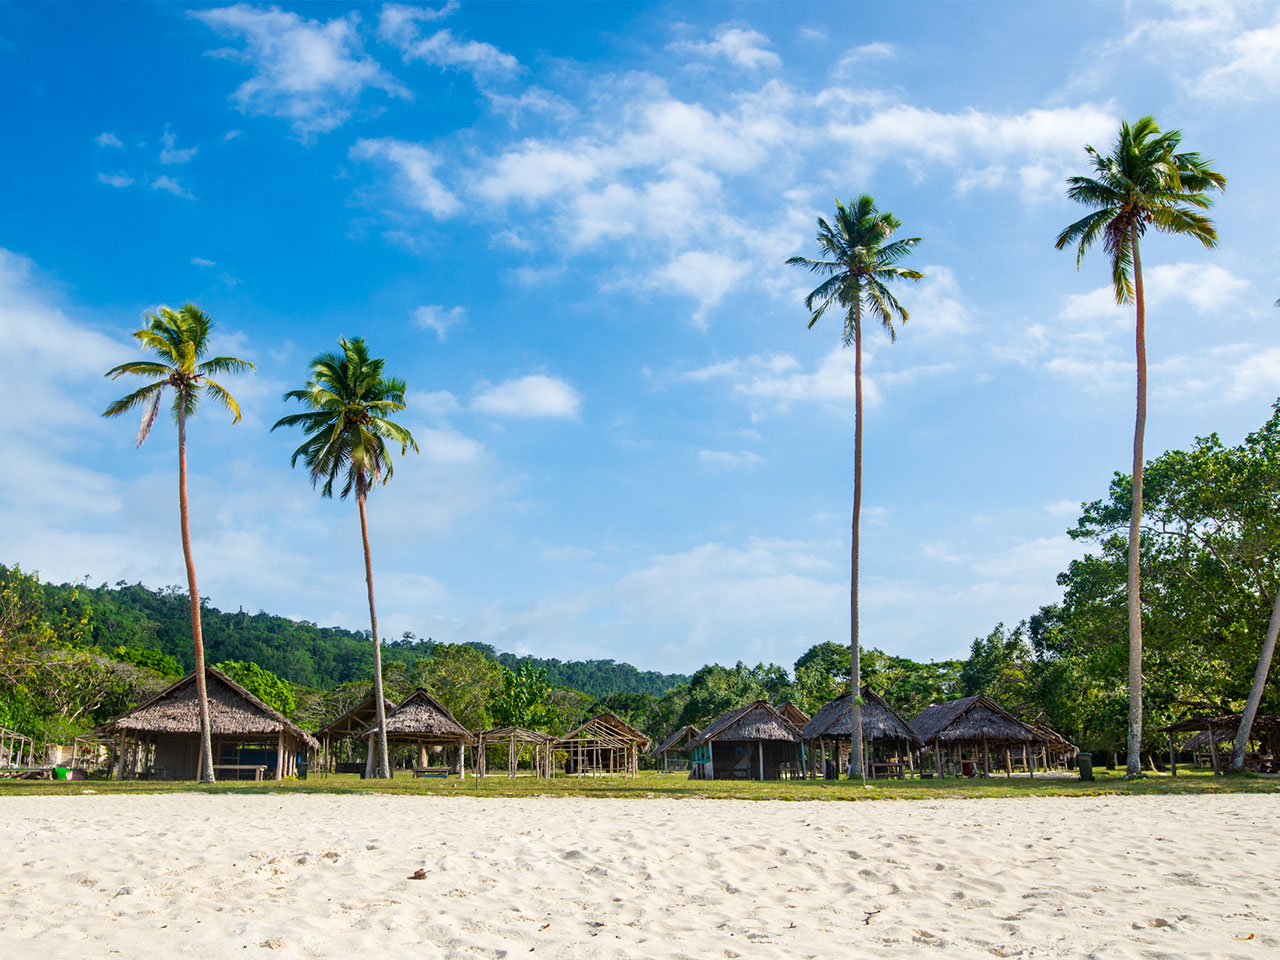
x=348 y=401
x=1143 y=182
x=178 y=339
x=858 y=261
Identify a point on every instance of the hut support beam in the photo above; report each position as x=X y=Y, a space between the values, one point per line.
x=280 y=756
x=937 y=756
x=119 y=757
x=1173 y=757
x=1213 y=750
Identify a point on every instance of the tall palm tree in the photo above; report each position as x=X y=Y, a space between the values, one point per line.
x=859 y=259
x=1144 y=182
x=178 y=339
x=348 y=401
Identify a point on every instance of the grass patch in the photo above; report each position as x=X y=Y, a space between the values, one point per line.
x=652 y=784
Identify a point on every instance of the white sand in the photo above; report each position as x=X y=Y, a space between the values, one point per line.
x=151 y=877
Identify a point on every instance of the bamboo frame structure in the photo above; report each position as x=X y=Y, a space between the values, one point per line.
x=17 y=751
x=604 y=745
x=515 y=739
x=347 y=728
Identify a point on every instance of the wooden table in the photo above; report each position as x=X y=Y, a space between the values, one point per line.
x=257 y=768
x=430 y=772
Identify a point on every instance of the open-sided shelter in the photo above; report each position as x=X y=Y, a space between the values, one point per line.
x=515 y=739
x=793 y=713
x=422 y=720
x=1216 y=732
x=962 y=733
x=605 y=744
x=754 y=742
x=348 y=727
x=160 y=739
x=674 y=751
x=889 y=743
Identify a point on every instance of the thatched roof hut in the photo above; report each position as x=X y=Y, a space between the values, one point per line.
x=421 y=718
x=161 y=737
x=751 y=742
x=879 y=721
x=1213 y=731
x=678 y=745
x=965 y=731
x=350 y=725
x=604 y=744
x=793 y=713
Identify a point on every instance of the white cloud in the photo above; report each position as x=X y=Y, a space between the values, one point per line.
x=115 y=179
x=702 y=275
x=935 y=305
x=414 y=167
x=230 y=135
x=730 y=458
x=536 y=395
x=202 y=262
x=439 y=319
x=171 y=185
x=862 y=54
x=106 y=139
x=741 y=46
x=398 y=25
x=447 y=445
x=309 y=72
x=170 y=154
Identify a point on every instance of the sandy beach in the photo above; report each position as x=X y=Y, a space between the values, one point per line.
x=328 y=876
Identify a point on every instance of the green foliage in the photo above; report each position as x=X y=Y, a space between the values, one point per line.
x=715 y=689
x=908 y=685
x=263 y=684
x=522 y=701
x=596 y=678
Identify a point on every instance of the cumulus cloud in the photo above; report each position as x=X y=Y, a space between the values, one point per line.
x=439 y=319
x=398 y=25
x=309 y=72
x=741 y=46
x=702 y=275
x=171 y=154
x=414 y=169
x=171 y=185
x=106 y=139
x=533 y=396
x=115 y=179
x=202 y=262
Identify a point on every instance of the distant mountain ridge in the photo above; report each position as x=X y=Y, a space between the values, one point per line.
x=137 y=617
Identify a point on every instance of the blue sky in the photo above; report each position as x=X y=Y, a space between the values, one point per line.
x=565 y=226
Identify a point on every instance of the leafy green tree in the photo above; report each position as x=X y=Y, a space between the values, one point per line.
x=263 y=684
x=1000 y=667
x=715 y=689
x=464 y=680
x=177 y=341
x=859 y=261
x=347 y=425
x=1143 y=182
x=522 y=699
x=910 y=686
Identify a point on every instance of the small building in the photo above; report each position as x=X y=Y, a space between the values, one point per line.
x=961 y=734
x=344 y=731
x=1217 y=735
x=754 y=742
x=889 y=742
x=422 y=720
x=674 y=751
x=515 y=739
x=160 y=739
x=605 y=744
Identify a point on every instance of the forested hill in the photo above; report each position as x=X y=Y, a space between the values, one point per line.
x=136 y=617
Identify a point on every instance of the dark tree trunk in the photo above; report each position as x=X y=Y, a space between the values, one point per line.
x=383 y=765
x=1133 y=759
x=197 y=636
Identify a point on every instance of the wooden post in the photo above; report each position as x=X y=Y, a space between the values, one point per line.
x=120 y=757
x=986 y=758
x=280 y=756
x=1173 y=757
x=937 y=756
x=1213 y=750
x=1031 y=767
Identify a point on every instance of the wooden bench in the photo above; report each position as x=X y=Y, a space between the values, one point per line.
x=258 y=768
x=431 y=772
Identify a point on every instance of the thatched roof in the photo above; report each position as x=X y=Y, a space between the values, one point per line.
x=605 y=726
x=356 y=719
x=233 y=711
x=1229 y=721
x=420 y=716
x=879 y=720
x=521 y=734
x=673 y=742
x=793 y=713
x=1053 y=739
x=756 y=721
x=970 y=719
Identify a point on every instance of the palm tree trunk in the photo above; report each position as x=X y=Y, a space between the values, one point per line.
x=1133 y=759
x=197 y=636
x=1255 y=691
x=384 y=766
x=855 y=649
